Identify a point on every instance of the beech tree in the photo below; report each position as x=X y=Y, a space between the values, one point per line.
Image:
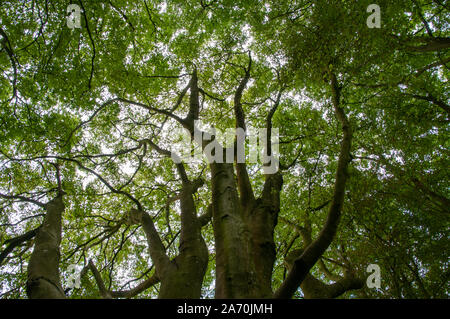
x=98 y=201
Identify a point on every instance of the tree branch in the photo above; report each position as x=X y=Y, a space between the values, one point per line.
x=23 y=199
x=92 y=42
x=17 y=241
x=238 y=111
x=312 y=253
x=206 y=217
x=431 y=44
x=315 y=288
x=180 y=166
x=109 y=186
x=150 y=108
x=98 y=279
x=9 y=50
x=245 y=188
x=153 y=280
x=155 y=245
x=194 y=105
x=433 y=100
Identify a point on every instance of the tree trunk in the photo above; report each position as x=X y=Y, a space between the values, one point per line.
x=243 y=231
x=183 y=277
x=43 y=268
x=261 y=222
x=235 y=273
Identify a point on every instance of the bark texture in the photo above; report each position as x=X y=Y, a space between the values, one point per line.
x=43 y=267
x=235 y=274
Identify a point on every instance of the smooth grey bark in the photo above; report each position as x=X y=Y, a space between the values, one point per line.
x=235 y=273
x=43 y=268
x=245 y=249
x=184 y=276
x=243 y=225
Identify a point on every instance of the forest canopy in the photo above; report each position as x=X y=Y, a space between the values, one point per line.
x=115 y=181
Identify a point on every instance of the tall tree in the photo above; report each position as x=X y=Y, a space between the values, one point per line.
x=116 y=126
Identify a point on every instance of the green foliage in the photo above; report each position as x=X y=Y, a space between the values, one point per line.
x=55 y=80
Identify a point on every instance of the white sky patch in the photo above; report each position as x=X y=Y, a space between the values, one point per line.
x=162 y=7
x=249 y=38
x=128 y=59
x=127 y=168
x=396 y=155
x=85 y=178
x=433 y=131
x=177 y=33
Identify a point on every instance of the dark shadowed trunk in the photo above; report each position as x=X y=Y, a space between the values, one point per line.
x=261 y=221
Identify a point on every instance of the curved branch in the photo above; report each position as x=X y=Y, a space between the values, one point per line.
x=315 y=288
x=98 y=279
x=153 y=280
x=156 y=247
x=7 y=47
x=312 y=253
x=444 y=106
x=180 y=166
